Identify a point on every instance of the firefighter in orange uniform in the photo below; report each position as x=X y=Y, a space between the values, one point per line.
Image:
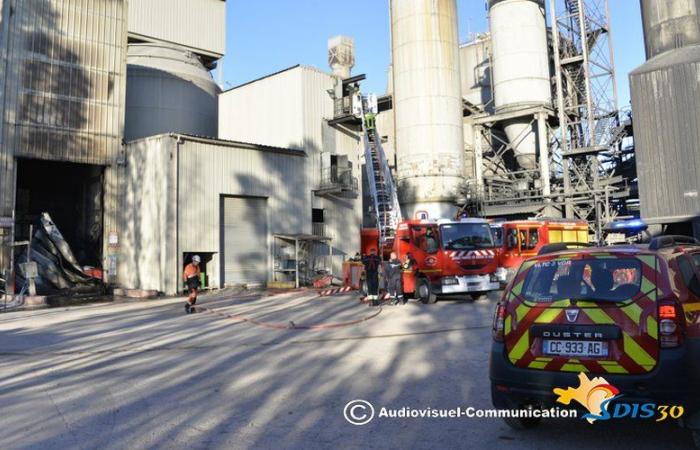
x=191 y=278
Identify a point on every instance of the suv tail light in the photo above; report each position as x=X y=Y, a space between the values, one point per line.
x=671 y=324
x=499 y=319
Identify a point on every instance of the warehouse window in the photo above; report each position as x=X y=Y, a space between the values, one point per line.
x=317 y=215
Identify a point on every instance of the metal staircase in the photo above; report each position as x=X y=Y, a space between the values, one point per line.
x=381 y=184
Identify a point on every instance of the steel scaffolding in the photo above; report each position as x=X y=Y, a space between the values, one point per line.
x=582 y=164
x=587 y=107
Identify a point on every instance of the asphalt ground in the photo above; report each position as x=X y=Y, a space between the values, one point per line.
x=254 y=370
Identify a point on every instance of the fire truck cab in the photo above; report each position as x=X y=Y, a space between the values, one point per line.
x=522 y=239
x=450 y=257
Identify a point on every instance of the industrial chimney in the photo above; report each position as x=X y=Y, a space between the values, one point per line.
x=341 y=55
x=521 y=76
x=427 y=106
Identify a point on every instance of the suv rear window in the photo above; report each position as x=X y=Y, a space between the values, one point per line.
x=688 y=267
x=609 y=279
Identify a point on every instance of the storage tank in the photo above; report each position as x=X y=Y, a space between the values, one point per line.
x=168 y=90
x=665 y=99
x=521 y=74
x=475 y=70
x=670 y=24
x=427 y=105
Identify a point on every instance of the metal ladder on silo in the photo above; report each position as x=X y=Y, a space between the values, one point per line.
x=381 y=184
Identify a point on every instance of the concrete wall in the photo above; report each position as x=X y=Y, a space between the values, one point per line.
x=199 y=25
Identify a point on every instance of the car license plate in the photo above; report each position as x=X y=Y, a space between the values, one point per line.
x=575 y=348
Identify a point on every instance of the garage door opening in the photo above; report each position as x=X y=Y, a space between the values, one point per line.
x=244 y=240
x=72 y=195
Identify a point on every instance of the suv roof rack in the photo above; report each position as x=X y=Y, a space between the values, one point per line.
x=671 y=241
x=560 y=246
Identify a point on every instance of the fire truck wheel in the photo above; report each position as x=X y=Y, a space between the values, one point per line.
x=424 y=292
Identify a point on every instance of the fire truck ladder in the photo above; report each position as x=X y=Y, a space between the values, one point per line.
x=381 y=185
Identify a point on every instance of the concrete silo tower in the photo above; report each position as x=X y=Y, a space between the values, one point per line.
x=427 y=102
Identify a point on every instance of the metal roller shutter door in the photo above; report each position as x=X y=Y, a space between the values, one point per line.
x=244 y=237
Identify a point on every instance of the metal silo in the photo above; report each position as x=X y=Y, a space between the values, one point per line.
x=665 y=99
x=168 y=90
x=521 y=74
x=428 y=105
x=670 y=24
x=475 y=71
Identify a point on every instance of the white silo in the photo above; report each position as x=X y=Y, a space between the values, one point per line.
x=428 y=105
x=521 y=75
x=475 y=70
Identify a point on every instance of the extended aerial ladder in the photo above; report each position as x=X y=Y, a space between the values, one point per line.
x=380 y=180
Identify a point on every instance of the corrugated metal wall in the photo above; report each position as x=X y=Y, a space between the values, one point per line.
x=268 y=111
x=292 y=109
x=197 y=24
x=244 y=240
x=66 y=80
x=6 y=156
x=6 y=163
x=208 y=171
x=170 y=203
x=665 y=99
x=147 y=231
x=343 y=217
x=62 y=85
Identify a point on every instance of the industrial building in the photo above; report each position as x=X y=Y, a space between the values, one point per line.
x=524 y=117
x=64 y=96
x=665 y=99
x=80 y=78
x=112 y=122
x=62 y=87
x=242 y=205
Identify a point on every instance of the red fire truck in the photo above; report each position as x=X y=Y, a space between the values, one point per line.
x=519 y=240
x=450 y=257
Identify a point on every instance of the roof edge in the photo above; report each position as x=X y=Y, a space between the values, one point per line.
x=223 y=143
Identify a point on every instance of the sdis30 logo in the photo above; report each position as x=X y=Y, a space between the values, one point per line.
x=596 y=396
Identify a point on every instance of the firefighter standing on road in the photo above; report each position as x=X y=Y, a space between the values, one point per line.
x=372 y=263
x=191 y=278
x=392 y=277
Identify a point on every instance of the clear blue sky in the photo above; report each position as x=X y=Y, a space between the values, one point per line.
x=268 y=35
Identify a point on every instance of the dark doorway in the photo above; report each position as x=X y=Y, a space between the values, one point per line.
x=72 y=195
